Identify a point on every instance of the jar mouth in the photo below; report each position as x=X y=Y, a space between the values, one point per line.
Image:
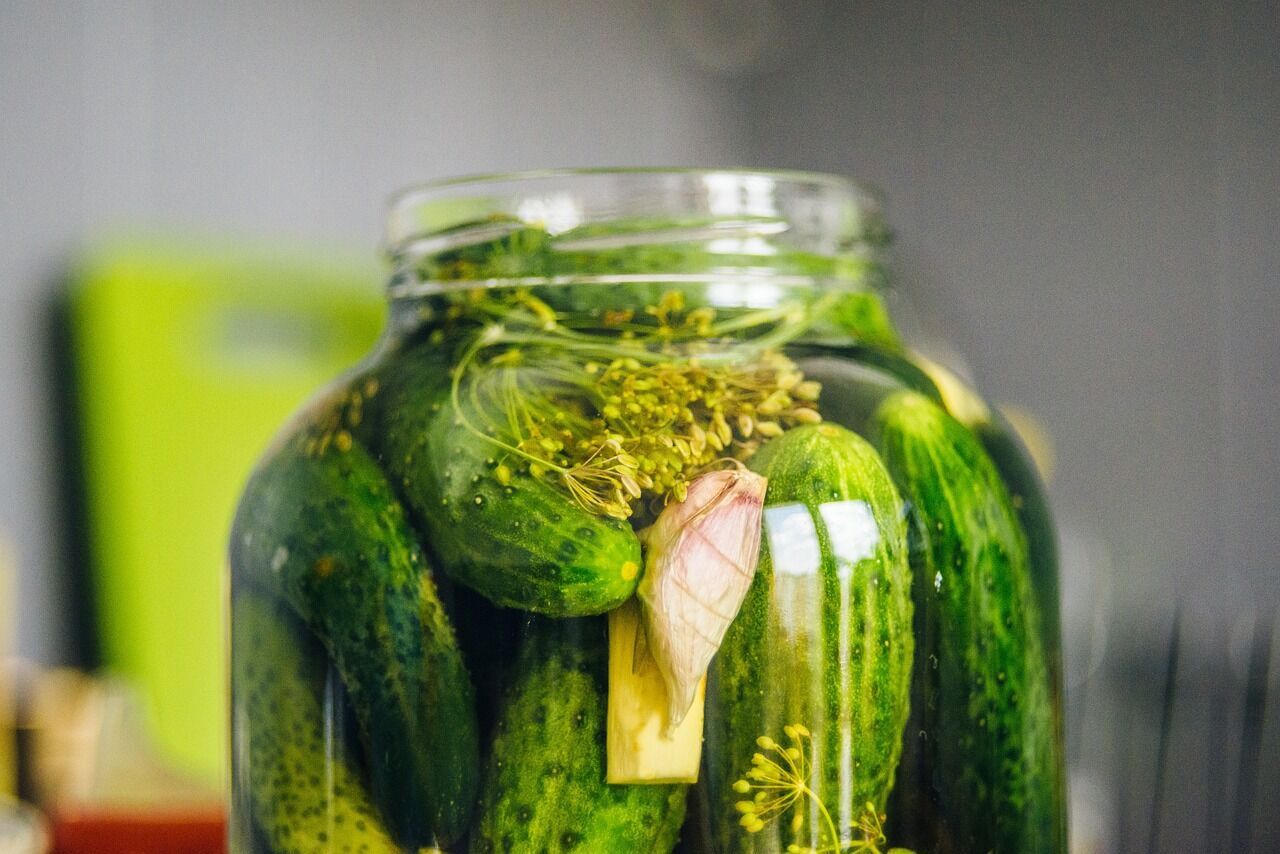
x=525 y=176
x=591 y=225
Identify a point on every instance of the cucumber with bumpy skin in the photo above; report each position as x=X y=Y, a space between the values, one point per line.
x=319 y=528
x=991 y=765
x=1027 y=495
x=545 y=788
x=518 y=540
x=303 y=797
x=823 y=641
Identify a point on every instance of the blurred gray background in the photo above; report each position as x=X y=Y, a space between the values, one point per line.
x=1086 y=197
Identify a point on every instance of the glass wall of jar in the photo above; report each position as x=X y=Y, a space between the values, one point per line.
x=644 y=530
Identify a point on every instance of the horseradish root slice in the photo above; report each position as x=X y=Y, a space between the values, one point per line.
x=639 y=748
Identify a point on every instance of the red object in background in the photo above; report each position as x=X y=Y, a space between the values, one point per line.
x=116 y=832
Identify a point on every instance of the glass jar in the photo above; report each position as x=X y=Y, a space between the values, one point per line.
x=642 y=530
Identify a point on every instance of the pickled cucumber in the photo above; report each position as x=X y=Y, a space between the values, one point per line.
x=319 y=528
x=544 y=787
x=304 y=798
x=821 y=650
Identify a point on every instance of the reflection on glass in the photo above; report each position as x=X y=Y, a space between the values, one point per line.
x=853 y=532
x=793 y=540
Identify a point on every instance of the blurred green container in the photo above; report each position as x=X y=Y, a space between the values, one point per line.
x=187 y=358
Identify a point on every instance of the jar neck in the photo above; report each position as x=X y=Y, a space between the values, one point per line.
x=655 y=312
x=584 y=243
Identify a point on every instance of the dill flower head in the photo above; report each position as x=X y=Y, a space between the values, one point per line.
x=672 y=419
x=620 y=418
x=778 y=783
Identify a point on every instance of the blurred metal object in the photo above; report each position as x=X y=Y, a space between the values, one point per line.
x=90 y=749
x=89 y=763
x=1179 y=741
x=8 y=636
x=1166 y=723
x=22 y=829
x=1255 y=710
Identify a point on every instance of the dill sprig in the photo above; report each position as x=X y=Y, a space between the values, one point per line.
x=631 y=410
x=778 y=783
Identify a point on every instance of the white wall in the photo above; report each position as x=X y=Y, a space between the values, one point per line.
x=1088 y=202
x=294 y=120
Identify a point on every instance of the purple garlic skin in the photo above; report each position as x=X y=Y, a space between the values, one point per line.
x=700 y=558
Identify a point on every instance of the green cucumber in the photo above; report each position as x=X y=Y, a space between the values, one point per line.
x=523 y=544
x=988 y=773
x=545 y=788
x=303 y=796
x=1026 y=493
x=319 y=528
x=1026 y=490
x=823 y=640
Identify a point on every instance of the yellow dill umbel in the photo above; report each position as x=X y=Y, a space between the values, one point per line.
x=631 y=413
x=778 y=784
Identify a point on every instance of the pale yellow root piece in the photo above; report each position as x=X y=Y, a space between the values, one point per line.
x=636 y=750
x=961 y=400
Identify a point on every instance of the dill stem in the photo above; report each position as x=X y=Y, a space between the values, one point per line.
x=749 y=320
x=831 y=825
x=455 y=399
x=588 y=345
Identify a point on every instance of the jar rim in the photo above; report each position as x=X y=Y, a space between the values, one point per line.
x=742 y=219
x=797 y=177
